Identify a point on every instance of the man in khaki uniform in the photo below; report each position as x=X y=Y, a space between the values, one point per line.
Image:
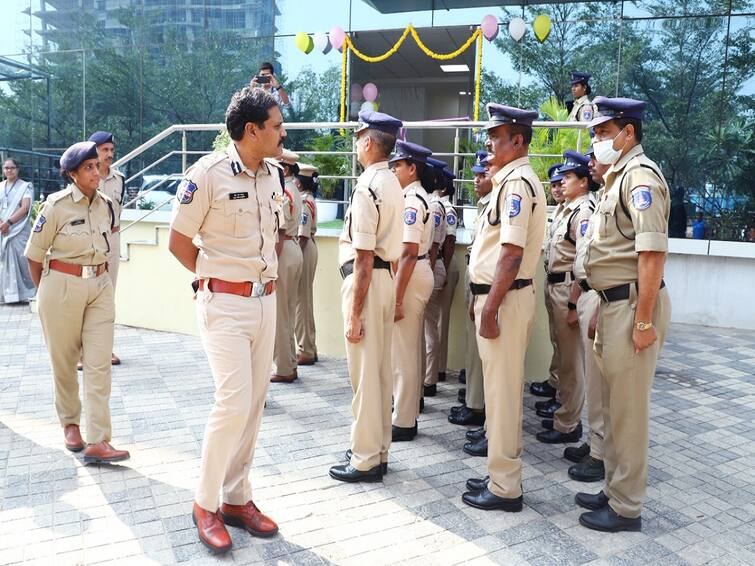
x=67 y=252
x=306 y=182
x=624 y=264
x=229 y=204
x=502 y=266
x=452 y=270
x=562 y=289
x=582 y=109
x=290 y=260
x=414 y=284
x=370 y=241
x=112 y=184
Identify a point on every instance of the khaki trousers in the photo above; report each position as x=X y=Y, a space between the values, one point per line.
x=406 y=346
x=475 y=398
x=305 y=312
x=238 y=336
x=553 y=369
x=431 y=336
x=586 y=306
x=571 y=365
x=627 y=383
x=503 y=368
x=114 y=257
x=77 y=318
x=370 y=370
x=287 y=286
x=446 y=298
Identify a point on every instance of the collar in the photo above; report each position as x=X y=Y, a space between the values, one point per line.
x=574 y=204
x=636 y=151
x=112 y=172
x=508 y=168
x=238 y=167
x=77 y=194
x=445 y=198
x=583 y=98
x=412 y=185
x=377 y=166
x=484 y=199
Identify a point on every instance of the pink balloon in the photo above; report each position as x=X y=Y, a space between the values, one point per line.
x=370 y=92
x=356 y=91
x=489 y=27
x=337 y=37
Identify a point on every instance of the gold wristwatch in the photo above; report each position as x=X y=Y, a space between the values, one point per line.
x=641 y=326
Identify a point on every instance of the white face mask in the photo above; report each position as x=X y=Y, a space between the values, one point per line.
x=605 y=153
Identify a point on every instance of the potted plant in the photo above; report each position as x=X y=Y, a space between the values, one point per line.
x=327 y=165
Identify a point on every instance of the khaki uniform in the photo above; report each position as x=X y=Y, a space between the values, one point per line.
x=475 y=397
x=232 y=214
x=515 y=215
x=551 y=225
x=406 y=346
x=582 y=111
x=305 y=312
x=631 y=217
x=77 y=313
x=374 y=221
x=289 y=276
x=433 y=310
x=114 y=186
x=571 y=389
x=452 y=279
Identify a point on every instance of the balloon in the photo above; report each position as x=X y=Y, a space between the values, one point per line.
x=542 y=27
x=370 y=92
x=337 y=37
x=489 y=27
x=320 y=39
x=517 y=27
x=304 y=42
x=356 y=92
x=367 y=106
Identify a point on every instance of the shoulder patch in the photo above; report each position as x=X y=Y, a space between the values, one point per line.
x=514 y=205
x=642 y=197
x=39 y=223
x=185 y=191
x=587 y=115
x=583 y=226
x=436 y=218
x=410 y=216
x=451 y=219
x=303 y=219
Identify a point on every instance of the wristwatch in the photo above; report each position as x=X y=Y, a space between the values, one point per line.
x=642 y=326
x=571 y=306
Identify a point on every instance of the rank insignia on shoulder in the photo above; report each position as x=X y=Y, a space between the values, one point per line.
x=451 y=219
x=40 y=222
x=410 y=216
x=514 y=205
x=583 y=226
x=185 y=192
x=642 y=197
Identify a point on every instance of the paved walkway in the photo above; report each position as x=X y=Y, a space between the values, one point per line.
x=54 y=510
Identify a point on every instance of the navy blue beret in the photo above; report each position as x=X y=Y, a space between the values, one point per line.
x=576 y=162
x=410 y=151
x=378 y=121
x=553 y=174
x=77 y=154
x=612 y=108
x=102 y=137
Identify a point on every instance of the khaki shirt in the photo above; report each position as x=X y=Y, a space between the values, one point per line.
x=569 y=229
x=418 y=227
x=437 y=219
x=640 y=225
x=452 y=219
x=582 y=111
x=233 y=215
x=373 y=223
x=481 y=204
x=514 y=215
x=550 y=226
x=308 y=220
x=292 y=208
x=582 y=243
x=72 y=229
x=114 y=186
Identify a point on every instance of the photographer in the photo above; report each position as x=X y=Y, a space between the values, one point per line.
x=265 y=79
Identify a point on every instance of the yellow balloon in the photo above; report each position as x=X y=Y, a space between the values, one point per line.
x=304 y=42
x=542 y=27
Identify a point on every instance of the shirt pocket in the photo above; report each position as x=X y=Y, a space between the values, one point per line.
x=102 y=237
x=607 y=213
x=239 y=214
x=74 y=239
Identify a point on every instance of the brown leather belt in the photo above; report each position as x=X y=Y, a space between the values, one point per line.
x=241 y=288
x=481 y=289
x=288 y=237
x=115 y=229
x=83 y=271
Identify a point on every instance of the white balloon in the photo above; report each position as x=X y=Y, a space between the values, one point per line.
x=367 y=106
x=320 y=39
x=517 y=27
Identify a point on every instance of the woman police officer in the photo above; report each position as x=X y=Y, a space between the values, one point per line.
x=67 y=253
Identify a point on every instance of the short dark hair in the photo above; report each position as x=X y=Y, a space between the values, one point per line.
x=290 y=168
x=247 y=105
x=308 y=183
x=15 y=162
x=383 y=140
x=623 y=122
x=521 y=129
x=267 y=65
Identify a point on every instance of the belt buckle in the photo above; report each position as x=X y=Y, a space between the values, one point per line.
x=602 y=295
x=258 y=289
x=88 y=271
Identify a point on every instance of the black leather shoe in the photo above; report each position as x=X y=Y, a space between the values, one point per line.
x=479 y=448
x=591 y=501
x=608 y=521
x=457 y=408
x=477 y=484
x=588 y=470
x=488 y=501
x=463 y=376
x=441 y=376
x=556 y=437
x=403 y=434
x=383 y=466
x=547 y=424
x=577 y=453
x=545 y=404
x=462 y=395
x=350 y=474
x=421 y=404
x=475 y=434
x=430 y=390
x=542 y=389
x=549 y=411
x=467 y=417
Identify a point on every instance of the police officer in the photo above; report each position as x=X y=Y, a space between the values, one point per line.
x=414 y=284
x=582 y=108
x=502 y=266
x=563 y=291
x=67 y=252
x=230 y=201
x=112 y=184
x=290 y=261
x=370 y=241
x=306 y=182
x=624 y=264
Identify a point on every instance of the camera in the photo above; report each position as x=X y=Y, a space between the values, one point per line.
x=263 y=79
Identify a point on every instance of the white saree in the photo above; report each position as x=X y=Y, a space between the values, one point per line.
x=15 y=280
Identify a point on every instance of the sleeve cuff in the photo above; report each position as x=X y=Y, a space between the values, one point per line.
x=362 y=241
x=412 y=237
x=185 y=226
x=651 y=242
x=35 y=253
x=513 y=235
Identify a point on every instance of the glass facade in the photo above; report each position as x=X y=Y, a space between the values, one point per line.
x=137 y=66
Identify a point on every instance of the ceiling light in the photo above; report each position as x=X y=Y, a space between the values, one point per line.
x=463 y=68
x=464 y=93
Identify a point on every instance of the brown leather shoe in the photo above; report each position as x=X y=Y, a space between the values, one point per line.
x=73 y=439
x=211 y=530
x=104 y=453
x=303 y=360
x=275 y=378
x=114 y=360
x=249 y=518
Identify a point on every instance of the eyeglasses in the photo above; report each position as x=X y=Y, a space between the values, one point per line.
x=9 y=168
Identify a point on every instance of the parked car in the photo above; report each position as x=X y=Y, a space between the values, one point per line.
x=156 y=191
